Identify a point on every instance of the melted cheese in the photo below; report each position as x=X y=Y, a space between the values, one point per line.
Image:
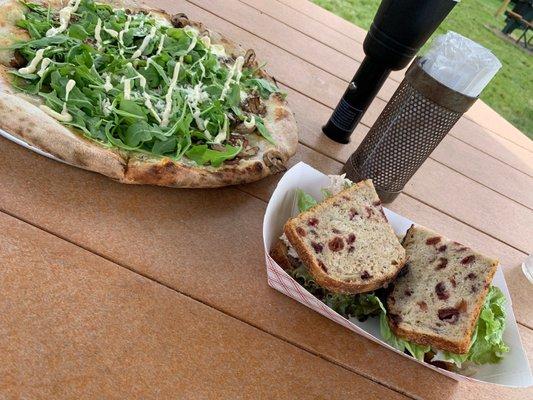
x=145 y=43
x=168 y=97
x=44 y=66
x=97 y=34
x=235 y=71
x=32 y=66
x=64 y=18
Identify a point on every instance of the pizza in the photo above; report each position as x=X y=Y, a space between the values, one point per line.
x=138 y=95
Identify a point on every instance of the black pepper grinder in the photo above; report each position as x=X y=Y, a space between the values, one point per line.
x=399 y=29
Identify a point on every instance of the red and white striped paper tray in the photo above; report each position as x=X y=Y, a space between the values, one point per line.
x=512 y=371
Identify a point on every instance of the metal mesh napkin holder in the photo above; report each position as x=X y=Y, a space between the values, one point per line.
x=417 y=117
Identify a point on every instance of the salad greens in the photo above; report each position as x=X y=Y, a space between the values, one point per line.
x=487 y=344
x=130 y=81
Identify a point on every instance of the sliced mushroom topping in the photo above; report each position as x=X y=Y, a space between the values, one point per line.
x=243 y=129
x=254 y=105
x=249 y=59
x=18 y=60
x=179 y=20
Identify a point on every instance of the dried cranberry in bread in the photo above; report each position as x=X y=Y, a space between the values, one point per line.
x=346 y=241
x=437 y=300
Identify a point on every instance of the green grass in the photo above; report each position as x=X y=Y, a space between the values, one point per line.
x=510 y=93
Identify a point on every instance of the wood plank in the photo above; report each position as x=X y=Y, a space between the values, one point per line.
x=77 y=326
x=352 y=47
x=452 y=152
x=189 y=240
x=494 y=145
x=318 y=13
x=482 y=114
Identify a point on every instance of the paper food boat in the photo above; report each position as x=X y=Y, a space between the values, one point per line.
x=512 y=371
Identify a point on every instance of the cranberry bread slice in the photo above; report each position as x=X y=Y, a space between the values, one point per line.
x=437 y=300
x=346 y=241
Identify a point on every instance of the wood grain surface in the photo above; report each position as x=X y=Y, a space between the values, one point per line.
x=116 y=291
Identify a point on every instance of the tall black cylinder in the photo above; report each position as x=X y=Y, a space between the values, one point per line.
x=399 y=29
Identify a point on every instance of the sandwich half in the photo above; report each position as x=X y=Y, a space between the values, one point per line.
x=346 y=241
x=438 y=297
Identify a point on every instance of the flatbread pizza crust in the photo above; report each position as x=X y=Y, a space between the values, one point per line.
x=21 y=116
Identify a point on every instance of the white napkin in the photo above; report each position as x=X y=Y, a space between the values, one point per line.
x=460 y=63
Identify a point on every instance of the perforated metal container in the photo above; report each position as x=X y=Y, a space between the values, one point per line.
x=418 y=116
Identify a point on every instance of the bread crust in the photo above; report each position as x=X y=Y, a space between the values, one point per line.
x=436 y=341
x=314 y=268
x=21 y=117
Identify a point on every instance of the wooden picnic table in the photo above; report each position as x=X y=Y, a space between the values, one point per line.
x=115 y=291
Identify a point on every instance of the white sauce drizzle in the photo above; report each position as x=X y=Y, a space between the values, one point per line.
x=168 y=97
x=127 y=89
x=161 y=44
x=111 y=32
x=64 y=18
x=249 y=124
x=222 y=134
x=108 y=85
x=44 y=66
x=32 y=66
x=145 y=43
x=97 y=34
x=121 y=34
x=206 y=40
x=64 y=116
x=150 y=106
x=235 y=71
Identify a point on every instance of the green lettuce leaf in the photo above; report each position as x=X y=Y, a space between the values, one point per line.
x=487 y=341
x=417 y=351
x=305 y=201
x=359 y=306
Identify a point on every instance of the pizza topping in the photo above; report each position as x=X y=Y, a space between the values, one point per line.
x=142 y=83
x=18 y=60
x=64 y=116
x=64 y=18
x=32 y=66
